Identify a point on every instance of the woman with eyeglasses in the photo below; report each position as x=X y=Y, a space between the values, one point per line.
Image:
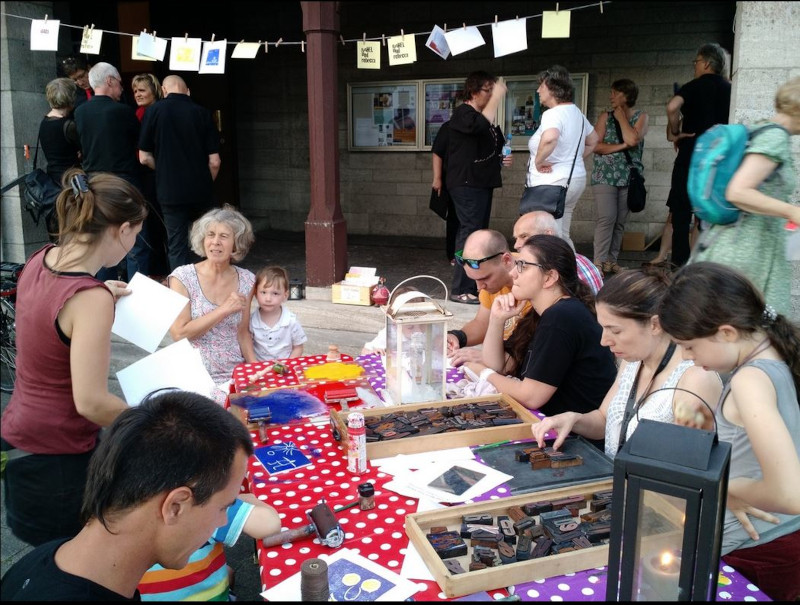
x=563 y=131
x=653 y=382
x=77 y=70
x=554 y=355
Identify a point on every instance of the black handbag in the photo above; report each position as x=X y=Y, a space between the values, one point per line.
x=40 y=191
x=550 y=198
x=637 y=194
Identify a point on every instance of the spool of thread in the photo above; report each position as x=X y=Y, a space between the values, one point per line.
x=314 y=580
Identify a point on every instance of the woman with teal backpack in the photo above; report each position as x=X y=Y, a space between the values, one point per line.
x=755 y=244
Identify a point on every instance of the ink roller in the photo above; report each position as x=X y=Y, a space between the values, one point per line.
x=322 y=522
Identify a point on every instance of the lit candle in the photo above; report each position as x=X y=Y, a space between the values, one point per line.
x=661 y=572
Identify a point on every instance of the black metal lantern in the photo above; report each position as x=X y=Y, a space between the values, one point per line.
x=670 y=486
x=297 y=289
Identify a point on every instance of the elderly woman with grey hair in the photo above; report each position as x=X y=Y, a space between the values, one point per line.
x=218 y=292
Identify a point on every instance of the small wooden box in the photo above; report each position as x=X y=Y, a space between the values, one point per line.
x=350 y=294
x=417 y=526
x=441 y=441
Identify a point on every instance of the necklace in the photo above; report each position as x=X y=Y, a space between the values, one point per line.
x=749 y=357
x=632 y=405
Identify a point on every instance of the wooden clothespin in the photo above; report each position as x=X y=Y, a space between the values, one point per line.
x=556 y=8
x=154 y=34
x=186 y=37
x=212 y=37
x=465 y=26
x=383 y=39
x=495 y=20
x=364 y=37
x=403 y=35
x=601 y=7
x=341 y=39
x=303 y=45
x=278 y=42
x=444 y=29
x=45 y=19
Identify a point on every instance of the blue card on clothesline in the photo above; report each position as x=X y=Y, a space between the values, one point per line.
x=281 y=457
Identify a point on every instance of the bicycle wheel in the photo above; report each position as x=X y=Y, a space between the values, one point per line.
x=8 y=346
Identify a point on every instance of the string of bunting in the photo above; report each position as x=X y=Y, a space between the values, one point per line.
x=194 y=54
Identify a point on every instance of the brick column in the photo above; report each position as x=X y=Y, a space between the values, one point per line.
x=325 y=227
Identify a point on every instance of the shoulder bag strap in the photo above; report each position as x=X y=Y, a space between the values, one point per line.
x=19 y=179
x=577 y=149
x=36 y=153
x=621 y=140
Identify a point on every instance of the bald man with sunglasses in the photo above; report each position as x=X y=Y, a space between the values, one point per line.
x=486 y=259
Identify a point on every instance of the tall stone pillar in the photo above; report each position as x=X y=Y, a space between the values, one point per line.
x=325 y=228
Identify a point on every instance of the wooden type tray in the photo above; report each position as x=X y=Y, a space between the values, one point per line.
x=596 y=466
x=441 y=441
x=455 y=585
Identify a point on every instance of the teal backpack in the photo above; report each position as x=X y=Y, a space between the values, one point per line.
x=717 y=155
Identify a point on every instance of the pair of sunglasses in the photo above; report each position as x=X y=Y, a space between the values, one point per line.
x=471 y=262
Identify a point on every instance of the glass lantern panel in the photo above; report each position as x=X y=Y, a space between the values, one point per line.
x=659 y=541
x=415 y=356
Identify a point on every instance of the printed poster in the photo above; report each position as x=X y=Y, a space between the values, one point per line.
x=402 y=49
x=184 y=54
x=90 y=41
x=44 y=34
x=368 y=55
x=437 y=42
x=213 y=58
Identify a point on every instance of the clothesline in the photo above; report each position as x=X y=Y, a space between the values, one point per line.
x=280 y=41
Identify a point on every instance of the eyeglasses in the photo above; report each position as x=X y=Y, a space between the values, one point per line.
x=520 y=265
x=696 y=61
x=471 y=262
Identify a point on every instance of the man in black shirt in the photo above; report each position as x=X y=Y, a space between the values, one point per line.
x=697 y=106
x=179 y=141
x=160 y=483
x=472 y=172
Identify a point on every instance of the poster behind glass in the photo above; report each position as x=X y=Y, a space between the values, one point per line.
x=383 y=115
x=441 y=98
x=523 y=111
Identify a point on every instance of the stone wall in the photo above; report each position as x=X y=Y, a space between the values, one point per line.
x=652 y=43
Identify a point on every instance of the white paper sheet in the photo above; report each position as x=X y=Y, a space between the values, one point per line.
x=147 y=46
x=402 y=463
x=144 y=316
x=368 y=55
x=177 y=366
x=414 y=565
x=245 y=50
x=44 y=34
x=401 y=589
x=509 y=37
x=462 y=39
x=438 y=43
x=402 y=49
x=161 y=50
x=420 y=480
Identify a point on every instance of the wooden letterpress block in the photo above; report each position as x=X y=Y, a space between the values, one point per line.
x=534 y=532
x=438 y=529
x=485 y=543
x=516 y=513
x=477 y=566
x=507 y=553
x=541 y=547
x=540 y=463
x=477 y=519
x=522 y=456
x=566 y=461
x=523 y=548
x=484 y=555
x=488 y=533
x=523 y=524
x=453 y=566
x=507 y=529
x=537 y=508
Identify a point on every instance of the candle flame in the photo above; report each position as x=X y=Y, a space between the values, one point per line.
x=666 y=559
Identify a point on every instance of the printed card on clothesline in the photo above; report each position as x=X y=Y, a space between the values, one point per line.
x=438 y=43
x=184 y=54
x=368 y=55
x=402 y=49
x=509 y=37
x=281 y=457
x=213 y=58
x=44 y=34
x=91 y=41
x=146 y=45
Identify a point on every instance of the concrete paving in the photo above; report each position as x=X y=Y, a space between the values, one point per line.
x=325 y=323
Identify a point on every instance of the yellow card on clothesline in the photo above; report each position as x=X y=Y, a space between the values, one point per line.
x=368 y=55
x=402 y=49
x=555 y=24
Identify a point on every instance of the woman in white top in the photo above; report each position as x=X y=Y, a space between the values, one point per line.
x=663 y=385
x=563 y=130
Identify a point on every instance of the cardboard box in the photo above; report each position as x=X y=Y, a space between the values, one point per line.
x=349 y=294
x=441 y=441
x=633 y=240
x=417 y=526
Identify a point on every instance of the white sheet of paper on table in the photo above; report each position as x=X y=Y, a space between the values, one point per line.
x=420 y=480
x=402 y=463
x=177 y=366
x=144 y=316
x=289 y=589
x=414 y=565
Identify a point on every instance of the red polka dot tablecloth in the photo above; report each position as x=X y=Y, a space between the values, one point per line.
x=379 y=534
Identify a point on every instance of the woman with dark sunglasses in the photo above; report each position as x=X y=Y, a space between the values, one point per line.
x=554 y=360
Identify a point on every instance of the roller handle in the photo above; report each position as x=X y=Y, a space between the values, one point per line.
x=290 y=535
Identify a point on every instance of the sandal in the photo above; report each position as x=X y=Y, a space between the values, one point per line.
x=467 y=299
